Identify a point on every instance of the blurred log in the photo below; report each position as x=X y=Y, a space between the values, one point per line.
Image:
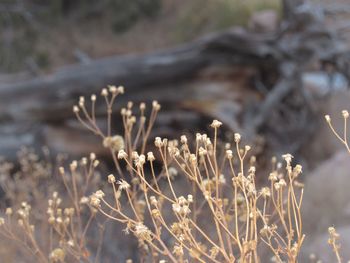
x=38 y=98
x=271 y=65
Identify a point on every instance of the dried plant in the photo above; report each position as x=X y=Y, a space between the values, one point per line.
x=333 y=235
x=223 y=216
x=342 y=137
x=190 y=200
x=44 y=225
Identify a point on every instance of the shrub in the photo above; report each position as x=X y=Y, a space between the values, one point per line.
x=202 y=205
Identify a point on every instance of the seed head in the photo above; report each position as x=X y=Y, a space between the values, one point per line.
x=237 y=137
x=112 y=89
x=158 y=142
x=123 y=185
x=345 y=114
x=183 y=139
x=156 y=105
x=111 y=179
x=121 y=89
x=229 y=154
x=122 y=154
x=328 y=118
x=75 y=109
x=215 y=124
x=57 y=255
x=104 y=92
x=150 y=156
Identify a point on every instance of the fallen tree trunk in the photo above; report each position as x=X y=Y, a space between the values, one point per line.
x=38 y=98
x=271 y=65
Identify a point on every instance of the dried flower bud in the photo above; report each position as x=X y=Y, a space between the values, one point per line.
x=122 y=154
x=73 y=165
x=84 y=161
x=288 y=158
x=93 y=97
x=75 y=109
x=229 y=154
x=215 y=124
x=190 y=198
x=142 y=106
x=153 y=200
x=96 y=163
x=328 y=118
x=104 y=92
x=92 y=156
x=61 y=170
x=121 y=89
x=81 y=101
x=345 y=114
x=112 y=89
x=115 y=143
x=202 y=151
x=111 y=179
x=156 y=105
x=84 y=200
x=150 y=156
x=123 y=185
x=158 y=142
x=237 y=137
x=57 y=255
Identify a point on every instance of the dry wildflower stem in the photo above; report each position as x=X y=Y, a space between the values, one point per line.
x=55 y=231
x=333 y=235
x=202 y=205
x=176 y=226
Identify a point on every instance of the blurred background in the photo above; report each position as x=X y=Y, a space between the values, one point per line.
x=269 y=69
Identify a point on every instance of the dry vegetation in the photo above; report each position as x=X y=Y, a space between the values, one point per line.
x=187 y=201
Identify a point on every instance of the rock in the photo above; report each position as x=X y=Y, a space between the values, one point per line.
x=264 y=21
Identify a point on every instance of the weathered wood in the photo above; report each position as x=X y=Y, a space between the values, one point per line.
x=175 y=76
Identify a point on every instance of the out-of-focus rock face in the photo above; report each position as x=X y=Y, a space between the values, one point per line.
x=327 y=203
x=264 y=21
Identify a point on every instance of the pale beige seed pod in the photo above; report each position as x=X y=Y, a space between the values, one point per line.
x=150 y=156
x=142 y=106
x=158 y=142
x=237 y=137
x=122 y=154
x=156 y=105
x=57 y=255
x=328 y=118
x=112 y=89
x=121 y=89
x=111 y=179
x=75 y=109
x=104 y=92
x=229 y=154
x=215 y=124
